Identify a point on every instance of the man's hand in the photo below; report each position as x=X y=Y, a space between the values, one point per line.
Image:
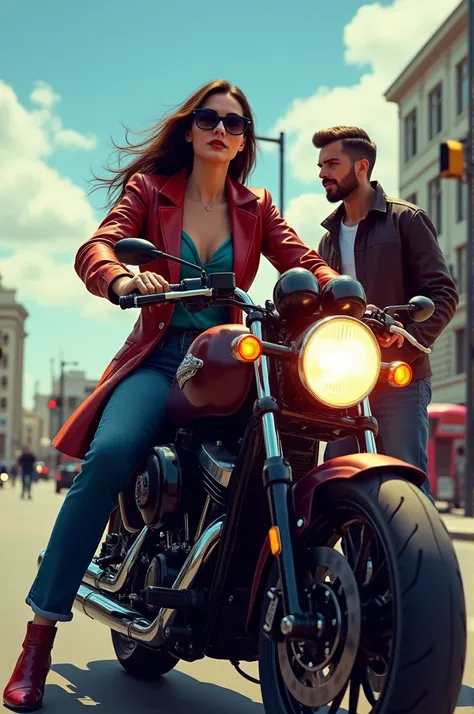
x=390 y=339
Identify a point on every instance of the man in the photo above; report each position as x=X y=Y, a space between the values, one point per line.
x=26 y=463
x=391 y=247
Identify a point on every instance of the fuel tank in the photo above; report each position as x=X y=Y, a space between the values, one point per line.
x=210 y=382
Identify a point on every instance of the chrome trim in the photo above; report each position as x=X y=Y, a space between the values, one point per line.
x=130 y=623
x=309 y=334
x=219 y=469
x=188 y=368
x=271 y=436
x=395 y=330
x=102 y=580
x=369 y=438
x=202 y=520
x=198 y=292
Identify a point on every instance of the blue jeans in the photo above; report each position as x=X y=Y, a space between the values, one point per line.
x=26 y=481
x=133 y=421
x=402 y=415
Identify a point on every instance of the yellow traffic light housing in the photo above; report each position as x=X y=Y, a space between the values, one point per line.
x=451 y=159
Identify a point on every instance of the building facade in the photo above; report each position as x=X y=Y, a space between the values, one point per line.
x=432 y=94
x=32 y=432
x=77 y=387
x=12 y=337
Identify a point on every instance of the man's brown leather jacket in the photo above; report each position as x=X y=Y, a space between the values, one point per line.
x=397 y=256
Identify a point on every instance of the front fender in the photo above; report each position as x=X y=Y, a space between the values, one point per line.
x=342 y=467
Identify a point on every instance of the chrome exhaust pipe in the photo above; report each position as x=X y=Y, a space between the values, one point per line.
x=99 y=606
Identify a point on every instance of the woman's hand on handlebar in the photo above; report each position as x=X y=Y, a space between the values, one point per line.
x=146 y=283
x=389 y=340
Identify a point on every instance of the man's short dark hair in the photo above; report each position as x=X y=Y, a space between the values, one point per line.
x=356 y=143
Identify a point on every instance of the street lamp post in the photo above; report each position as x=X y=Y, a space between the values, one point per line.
x=469 y=341
x=281 y=144
x=63 y=364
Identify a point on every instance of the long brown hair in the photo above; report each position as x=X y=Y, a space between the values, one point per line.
x=165 y=151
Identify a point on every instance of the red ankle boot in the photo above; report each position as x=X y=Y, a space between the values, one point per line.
x=24 y=692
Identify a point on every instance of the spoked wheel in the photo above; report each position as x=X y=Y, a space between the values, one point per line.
x=378 y=566
x=139 y=661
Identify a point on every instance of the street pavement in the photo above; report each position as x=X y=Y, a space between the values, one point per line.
x=85 y=672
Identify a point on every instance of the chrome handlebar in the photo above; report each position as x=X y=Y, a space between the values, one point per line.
x=128 y=301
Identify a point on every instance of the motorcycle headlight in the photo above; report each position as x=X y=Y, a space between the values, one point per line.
x=339 y=361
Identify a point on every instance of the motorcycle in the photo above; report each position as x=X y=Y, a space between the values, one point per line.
x=230 y=541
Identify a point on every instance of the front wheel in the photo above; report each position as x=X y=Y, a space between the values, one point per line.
x=394 y=635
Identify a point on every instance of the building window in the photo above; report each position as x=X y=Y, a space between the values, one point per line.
x=460 y=337
x=5 y=338
x=462 y=86
x=412 y=198
x=4 y=382
x=435 y=111
x=435 y=203
x=3 y=403
x=410 y=135
x=461 y=200
x=5 y=361
x=461 y=269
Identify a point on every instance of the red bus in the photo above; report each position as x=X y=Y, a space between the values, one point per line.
x=447 y=434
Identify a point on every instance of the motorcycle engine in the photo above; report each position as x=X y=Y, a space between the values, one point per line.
x=158 y=489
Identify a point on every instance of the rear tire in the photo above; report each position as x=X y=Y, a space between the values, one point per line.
x=141 y=662
x=428 y=640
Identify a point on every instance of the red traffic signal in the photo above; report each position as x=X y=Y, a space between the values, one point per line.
x=52 y=404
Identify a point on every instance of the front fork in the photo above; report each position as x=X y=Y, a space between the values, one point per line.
x=277 y=480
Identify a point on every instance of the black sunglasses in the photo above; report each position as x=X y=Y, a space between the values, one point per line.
x=207 y=119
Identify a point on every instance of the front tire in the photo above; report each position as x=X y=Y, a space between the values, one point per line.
x=413 y=575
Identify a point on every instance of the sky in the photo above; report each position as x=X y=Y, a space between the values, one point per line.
x=71 y=74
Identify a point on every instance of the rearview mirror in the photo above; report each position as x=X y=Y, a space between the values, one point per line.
x=422 y=308
x=135 y=251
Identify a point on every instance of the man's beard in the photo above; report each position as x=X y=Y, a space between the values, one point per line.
x=344 y=187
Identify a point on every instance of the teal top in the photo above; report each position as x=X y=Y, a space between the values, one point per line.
x=221 y=262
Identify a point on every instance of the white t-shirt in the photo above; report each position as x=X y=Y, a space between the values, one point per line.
x=347 y=236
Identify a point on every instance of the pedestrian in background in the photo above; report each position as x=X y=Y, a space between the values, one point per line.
x=26 y=462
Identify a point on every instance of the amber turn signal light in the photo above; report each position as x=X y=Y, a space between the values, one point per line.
x=246 y=348
x=399 y=374
x=274 y=538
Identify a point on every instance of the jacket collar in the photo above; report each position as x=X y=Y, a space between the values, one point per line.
x=243 y=223
x=175 y=186
x=379 y=203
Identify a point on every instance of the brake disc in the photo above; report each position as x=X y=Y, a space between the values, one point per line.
x=315 y=674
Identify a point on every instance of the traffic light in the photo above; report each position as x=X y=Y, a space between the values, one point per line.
x=451 y=159
x=54 y=403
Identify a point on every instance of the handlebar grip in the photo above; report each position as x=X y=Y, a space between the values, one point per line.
x=126 y=301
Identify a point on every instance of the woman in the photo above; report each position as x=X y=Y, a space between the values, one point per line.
x=184 y=192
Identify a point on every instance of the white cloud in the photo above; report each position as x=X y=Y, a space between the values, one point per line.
x=400 y=30
x=305 y=213
x=44 y=216
x=38 y=276
x=44 y=96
